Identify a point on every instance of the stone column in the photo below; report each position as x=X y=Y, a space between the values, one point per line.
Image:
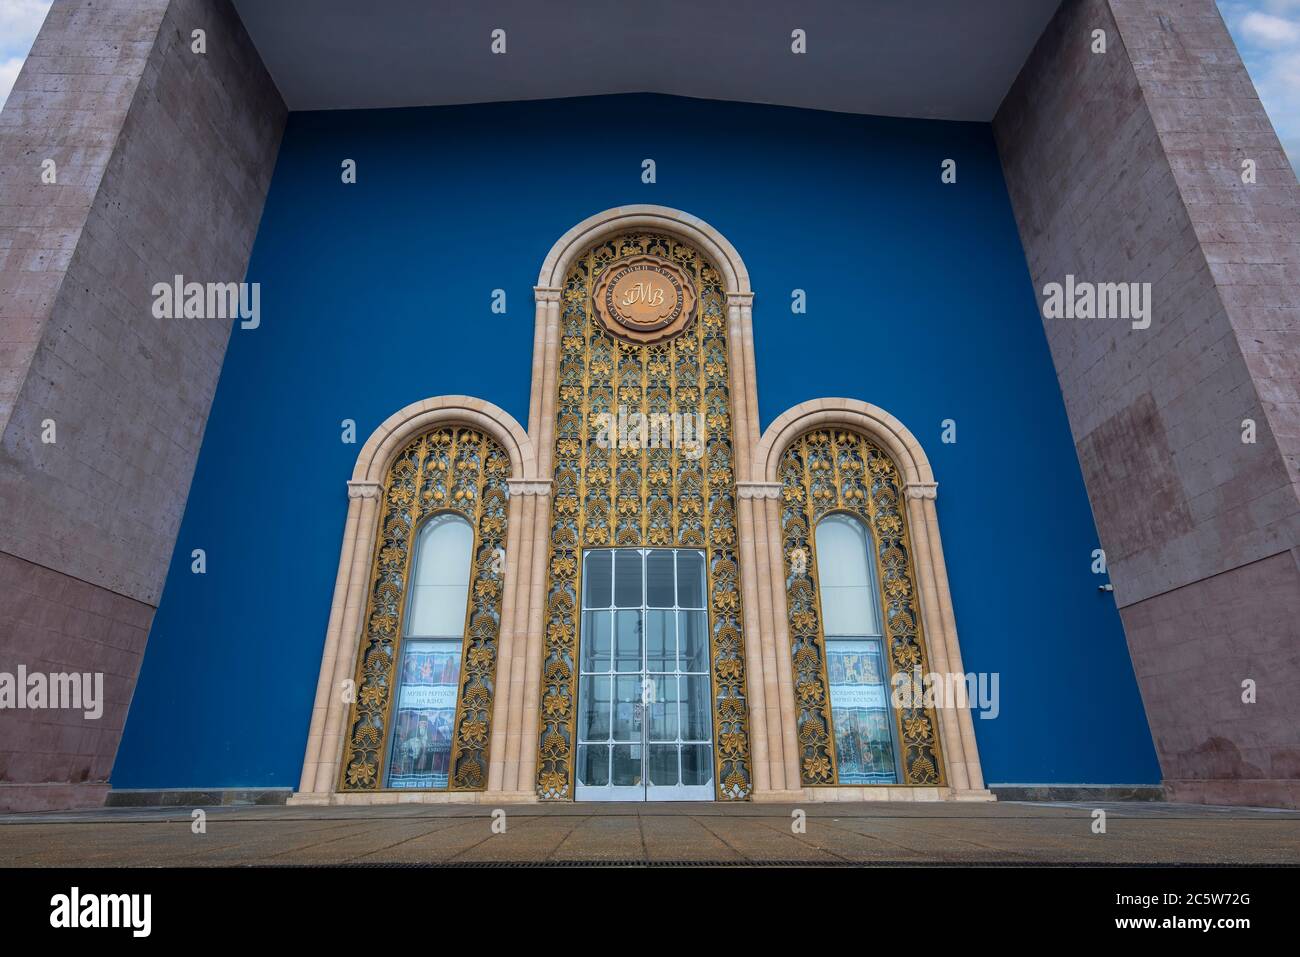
x=1127 y=166
x=342 y=635
x=956 y=727
x=513 y=691
x=507 y=636
x=162 y=158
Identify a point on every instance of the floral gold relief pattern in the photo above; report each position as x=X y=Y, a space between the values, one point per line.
x=449 y=469
x=609 y=495
x=832 y=470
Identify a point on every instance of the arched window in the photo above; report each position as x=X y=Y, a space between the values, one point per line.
x=433 y=632
x=856 y=667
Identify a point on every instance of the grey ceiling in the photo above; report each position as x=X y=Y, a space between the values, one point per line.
x=951 y=59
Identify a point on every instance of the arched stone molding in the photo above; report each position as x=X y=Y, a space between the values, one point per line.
x=325 y=739
x=961 y=756
x=684 y=226
x=402 y=426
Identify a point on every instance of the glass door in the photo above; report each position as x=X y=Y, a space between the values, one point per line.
x=645 y=717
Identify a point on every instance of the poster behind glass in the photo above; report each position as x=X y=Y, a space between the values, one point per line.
x=864 y=741
x=425 y=712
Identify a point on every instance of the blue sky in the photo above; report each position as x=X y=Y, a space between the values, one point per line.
x=1266 y=31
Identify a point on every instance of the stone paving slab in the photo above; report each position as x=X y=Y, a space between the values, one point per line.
x=835 y=834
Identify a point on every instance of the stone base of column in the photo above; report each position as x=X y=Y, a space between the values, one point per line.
x=777 y=797
x=308 y=799
x=361 y=798
x=981 y=794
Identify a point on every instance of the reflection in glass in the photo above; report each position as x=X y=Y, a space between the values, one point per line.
x=627 y=765
x=627 y=578
x=660 y=640
x=593 y=764
x=690 y=580
x=598 y=579
x=440 y=578
x=659 y=579
x=627 y=640
x=861 y=715
x=597 y=627
x=593 y=708
x=847 y=577
x=428 y=676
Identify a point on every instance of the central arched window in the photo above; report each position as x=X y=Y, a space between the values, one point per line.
x=863 y=721
x=433 y=633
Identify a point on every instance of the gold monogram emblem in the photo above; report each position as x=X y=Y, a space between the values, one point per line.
x=644 y=299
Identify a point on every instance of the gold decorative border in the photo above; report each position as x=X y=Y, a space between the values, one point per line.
x=605 y=496
x=824 y=471
x=448 y=469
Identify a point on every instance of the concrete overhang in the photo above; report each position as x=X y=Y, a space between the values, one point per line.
x=946 y=59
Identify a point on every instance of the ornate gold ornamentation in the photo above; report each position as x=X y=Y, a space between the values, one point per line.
x=829 y=470
x=645 y=299
x=449 y=469
x=607 y=495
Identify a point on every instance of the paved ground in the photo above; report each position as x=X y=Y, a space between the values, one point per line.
x=1011 y=833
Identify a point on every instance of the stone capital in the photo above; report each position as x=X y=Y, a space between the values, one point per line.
x=928 y=490
x=373 y=490
x=546 y=294
x=758 y=489
x=529 y=486
x=740 y=298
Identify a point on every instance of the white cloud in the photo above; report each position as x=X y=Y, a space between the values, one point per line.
x=1268 y=30
x=1267 y=33
x=8 y=73
x=20 y=21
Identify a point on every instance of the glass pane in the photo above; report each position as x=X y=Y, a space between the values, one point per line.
x=662 y=705
x=440 y=579
x=597 y=579
x=860 y=712
x=694 y=640
x=627 y=641
x=627 y=579
x=661 y=764
x=595 y=640
x=593 y=709
x=846 y=576
x=660 y=641
x=627 y=708
x=697 y=764
x=593 y=764
x=627 y=765
x=424 y=713
x=690 y=580
x=659 y=579
x=697 y=708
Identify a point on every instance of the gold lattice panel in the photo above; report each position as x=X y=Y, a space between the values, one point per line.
x=643 y=497
x=449 y=469
x=826 y=471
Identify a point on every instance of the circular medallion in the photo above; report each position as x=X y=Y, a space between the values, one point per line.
x=644 y=299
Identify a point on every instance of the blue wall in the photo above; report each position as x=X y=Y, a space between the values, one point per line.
x=377 y=294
